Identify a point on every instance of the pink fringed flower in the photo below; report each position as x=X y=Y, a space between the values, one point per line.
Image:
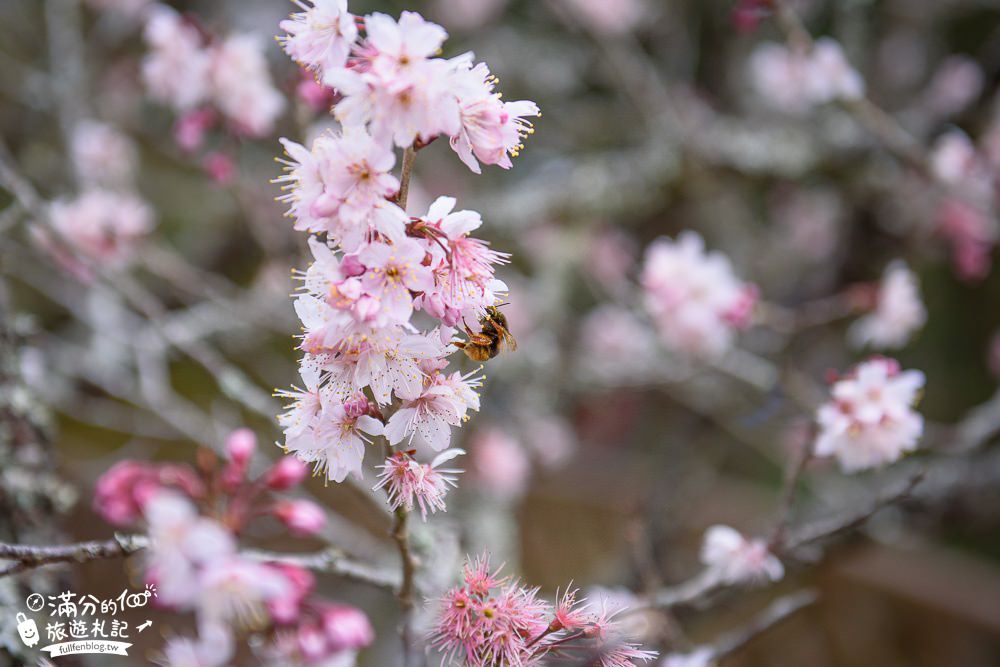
x=409 y=483
x=490 y=620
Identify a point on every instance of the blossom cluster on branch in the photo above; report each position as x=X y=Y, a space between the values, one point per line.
x=194 y=517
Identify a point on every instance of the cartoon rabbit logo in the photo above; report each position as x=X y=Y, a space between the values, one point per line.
x=27 y=629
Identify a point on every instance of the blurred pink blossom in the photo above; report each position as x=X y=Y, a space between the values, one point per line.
x=899 y=311
x=735 y=559
x=500 y=463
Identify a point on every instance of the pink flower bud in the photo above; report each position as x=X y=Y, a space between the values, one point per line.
x=240 y=445
x=347 y=628
x=286 y=473
x=314 y=94
x=286 y=607
x=189 y=131
x=312 y=642
x=220 y=167
x=303 y=517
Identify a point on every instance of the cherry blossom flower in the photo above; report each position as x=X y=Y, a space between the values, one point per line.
x=463 y=265
x=869 y=420
x=491 y=129
x=954 y=157
x=241 y=85
x=102 y=156
x=609 y=17
x=341 y=186
x=489 y=620
x=735 y=559
x=694 y=296
x=104 y=225
x=794 y=81
x=176 y=70
x=393 y=271
x=972 y=234
x=899 y=312
x=320 y=37
x=235 y=592
x=335 y=440
x=500 y=463
x=409 y=483
x=180 y=544
x=427 y=419
x=416 y=104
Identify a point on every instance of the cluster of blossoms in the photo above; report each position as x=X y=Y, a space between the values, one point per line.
x=202 y=77
x=107 y=220
x=733 y=558
x=491 y=620
x=898 y=313
x=697 y=301
x=390 y=84
x=195 y=562
x=966 y=216
x=794 y=80
x=374 y=266
x=869 y=420
x=104 y=225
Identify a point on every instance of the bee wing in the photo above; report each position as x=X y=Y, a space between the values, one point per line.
x=507 y=340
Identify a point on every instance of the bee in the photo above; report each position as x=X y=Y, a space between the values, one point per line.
x=493 y=338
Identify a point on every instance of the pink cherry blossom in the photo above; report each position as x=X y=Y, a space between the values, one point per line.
x=500 y=463
x=180 y=544
x=694 y=296
x=899 y=312
x=104 y=225
x=235 y=591
x=794 y=80
x=335 y=440
x=176 y=69
x=870 y=421
x=241 y=85
x=393 y=272
x=427 y=419
x=734 y=558
x=463 y=265
x=320 y=37
x=102 y=155
x=491 y=129
x=409 y=483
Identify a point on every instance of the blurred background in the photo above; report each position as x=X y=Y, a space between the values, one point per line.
x=598 y=457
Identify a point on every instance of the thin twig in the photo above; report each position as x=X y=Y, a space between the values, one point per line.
x=331 y=561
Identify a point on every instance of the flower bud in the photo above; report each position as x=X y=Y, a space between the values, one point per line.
x=240 y=445
x=347 y=628
x=303 y=517
x=286 y=474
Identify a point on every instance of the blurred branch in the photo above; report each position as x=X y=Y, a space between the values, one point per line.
x=331 y=561
x=775 y=613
